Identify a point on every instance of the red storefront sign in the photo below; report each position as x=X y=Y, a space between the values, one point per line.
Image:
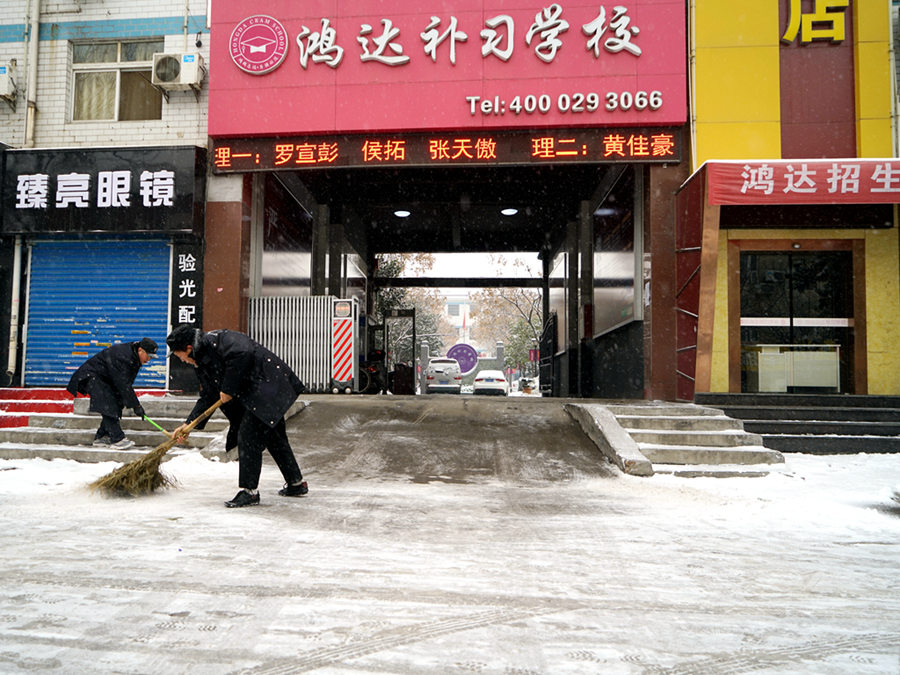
x=802 y=181
x=325 y=67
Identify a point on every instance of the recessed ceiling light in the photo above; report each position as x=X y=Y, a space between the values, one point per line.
x=509 y=212
x=400 y=213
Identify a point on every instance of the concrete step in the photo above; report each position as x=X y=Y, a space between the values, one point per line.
x=815 y=444
x=791 y=401
x=680 y=422
x=155 y=406
x=728 y=438
x=92 y=421
x=90 y=454
x=688 y=434
x=651 y=409
x=716 y=470
x=823 y=427
x=35 y=405
x=35 y=393
x=24 y=436
x=703 y=455
x=814 y=413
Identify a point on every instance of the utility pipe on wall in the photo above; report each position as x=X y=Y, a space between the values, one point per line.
x=14 y=310
x=34 y=14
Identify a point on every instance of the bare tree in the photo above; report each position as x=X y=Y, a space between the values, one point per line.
x=508 y=315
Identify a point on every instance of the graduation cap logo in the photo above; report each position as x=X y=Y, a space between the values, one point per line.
x=258 y=44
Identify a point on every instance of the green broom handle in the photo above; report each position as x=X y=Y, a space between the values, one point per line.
x=157 y=426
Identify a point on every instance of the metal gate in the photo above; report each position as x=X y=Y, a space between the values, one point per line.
x=84 y=296
x=316 y=336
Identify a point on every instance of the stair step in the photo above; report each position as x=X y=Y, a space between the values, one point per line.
x=685 y=454
x=32 y=393
x=822 y=427
x=34 y=405
x=716 y=439
x=12 y=420
x=128 y=422
x=669 y=410
x=831 y=445
x=680 y=422
x=55 y=393
x=53 y=436
x=716 y=470
x=168 y=406
x=789 y=401
x=813 y=413
x=90 y=454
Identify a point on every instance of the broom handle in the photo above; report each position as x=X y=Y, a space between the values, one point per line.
x=190 y=427
x=147 y=419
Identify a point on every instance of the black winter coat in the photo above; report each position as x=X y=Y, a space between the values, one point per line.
x=114 y=368
x=260 y=381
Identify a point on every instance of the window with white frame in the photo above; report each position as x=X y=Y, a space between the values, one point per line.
x=112 y=81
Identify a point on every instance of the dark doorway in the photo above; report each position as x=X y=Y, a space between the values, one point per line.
x=797 y=322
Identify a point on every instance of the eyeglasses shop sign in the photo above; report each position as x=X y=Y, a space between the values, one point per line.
x=387 y=64
x=84 y=190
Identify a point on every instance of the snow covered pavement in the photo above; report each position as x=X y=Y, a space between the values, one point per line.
x=796 y=572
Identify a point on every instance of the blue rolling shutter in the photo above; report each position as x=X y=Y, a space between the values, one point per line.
x=86 y=296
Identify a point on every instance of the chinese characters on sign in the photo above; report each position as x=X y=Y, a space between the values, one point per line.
x=860 y=181
x=113 y=190
x=186 y=294
x=258 y=46
x=416 y=149
x=185 y=303
x=826 y=22
x=340 y=68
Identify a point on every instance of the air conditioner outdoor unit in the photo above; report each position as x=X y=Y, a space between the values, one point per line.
x=7 y=82
x=178 y=70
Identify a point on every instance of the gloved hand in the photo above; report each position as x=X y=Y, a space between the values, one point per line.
x=139 y=411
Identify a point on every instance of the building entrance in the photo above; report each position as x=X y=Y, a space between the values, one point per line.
x=322 y=232
x=797 y=327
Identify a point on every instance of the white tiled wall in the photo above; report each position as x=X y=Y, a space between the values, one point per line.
x=184 y=117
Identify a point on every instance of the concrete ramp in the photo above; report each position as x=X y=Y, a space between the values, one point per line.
x=452 y=439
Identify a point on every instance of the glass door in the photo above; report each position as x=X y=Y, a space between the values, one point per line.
x=797 y=322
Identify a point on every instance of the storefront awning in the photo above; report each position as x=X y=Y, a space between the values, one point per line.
x=800 y=181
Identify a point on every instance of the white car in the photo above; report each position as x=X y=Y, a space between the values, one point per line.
x=491 y=382
x=443 y=376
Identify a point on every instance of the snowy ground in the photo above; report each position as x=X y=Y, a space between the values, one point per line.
x=798 y=572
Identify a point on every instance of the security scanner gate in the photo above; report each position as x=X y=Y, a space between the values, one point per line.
x=317 y=336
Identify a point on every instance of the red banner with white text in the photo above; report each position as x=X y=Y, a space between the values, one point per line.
x=793 y=181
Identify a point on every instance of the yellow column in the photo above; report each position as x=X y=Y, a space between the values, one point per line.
x=872 y=42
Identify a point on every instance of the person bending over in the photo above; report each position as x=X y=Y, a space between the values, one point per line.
x=256 y=389
x=108 y=378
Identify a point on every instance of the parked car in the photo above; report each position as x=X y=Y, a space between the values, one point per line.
x=491 y=382
x=443 y=376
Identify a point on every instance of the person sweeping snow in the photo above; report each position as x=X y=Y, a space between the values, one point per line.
x=108 y=378
x=256 y=389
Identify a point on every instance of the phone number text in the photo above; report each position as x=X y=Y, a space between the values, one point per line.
x=542 y=104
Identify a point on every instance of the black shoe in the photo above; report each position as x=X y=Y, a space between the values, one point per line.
x=294 y=490
x=243 y=498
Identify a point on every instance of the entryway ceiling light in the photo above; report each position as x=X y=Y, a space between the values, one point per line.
x=509 y=212
x=401 y=213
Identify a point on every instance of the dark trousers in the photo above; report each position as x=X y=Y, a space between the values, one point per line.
x=254 y=436
x=110 y=426
x=104 y=400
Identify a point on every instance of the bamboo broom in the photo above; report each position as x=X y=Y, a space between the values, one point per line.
x=142 y=476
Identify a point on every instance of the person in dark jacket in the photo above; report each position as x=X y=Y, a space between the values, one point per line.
x=108 y=378
x=256 y=389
